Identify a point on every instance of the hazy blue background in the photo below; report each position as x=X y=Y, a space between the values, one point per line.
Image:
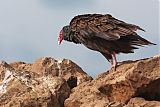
x=29 y=29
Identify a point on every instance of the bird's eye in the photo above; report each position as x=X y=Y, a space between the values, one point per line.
x=66 y=29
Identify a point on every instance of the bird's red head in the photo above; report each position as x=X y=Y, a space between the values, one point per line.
x=60 y=37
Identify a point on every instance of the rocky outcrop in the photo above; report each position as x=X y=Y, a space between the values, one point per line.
x=3 y=68
x=62 y=83
x=65 y=68
x=45 y=83
x=40 y=92
x=141 y=102
x=131 y=81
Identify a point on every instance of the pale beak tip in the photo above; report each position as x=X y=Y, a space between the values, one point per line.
x=59 y=42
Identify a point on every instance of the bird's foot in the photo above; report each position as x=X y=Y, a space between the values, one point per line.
x=114 y=66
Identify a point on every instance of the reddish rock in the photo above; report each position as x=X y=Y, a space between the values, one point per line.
x=58 y=83
x=72 y=72
x=65 y=68
x=86 y=95
x=21 y=91
x=131 y=79
x=3 y=67
x=45 y=83
x=21 y=66
x=141 y=102
x=45 y=66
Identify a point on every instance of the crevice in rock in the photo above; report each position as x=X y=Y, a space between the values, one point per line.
x=150 y=92
x=105 y=89
x=72 y=82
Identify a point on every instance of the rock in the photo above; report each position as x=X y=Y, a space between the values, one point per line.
x=131 y=79
x=21 y=66
x=141 y=102
x=62 y=83
x=45 y=66
x=3 y=67
x=47 y=82
x=34 y=92
x=86 y=95
x=65 y=68
x=72 y=72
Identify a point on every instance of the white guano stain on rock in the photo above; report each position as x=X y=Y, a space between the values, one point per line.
x=8 y=77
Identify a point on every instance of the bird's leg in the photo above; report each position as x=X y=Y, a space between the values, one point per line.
x=114 y=60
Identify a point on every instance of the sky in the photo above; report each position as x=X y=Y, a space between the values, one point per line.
x=29 y=29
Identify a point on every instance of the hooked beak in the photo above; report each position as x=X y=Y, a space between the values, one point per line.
x=60 y=38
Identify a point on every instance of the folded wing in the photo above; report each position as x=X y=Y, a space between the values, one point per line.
x=101 y=26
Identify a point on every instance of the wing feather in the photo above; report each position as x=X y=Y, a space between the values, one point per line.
x=102 y=26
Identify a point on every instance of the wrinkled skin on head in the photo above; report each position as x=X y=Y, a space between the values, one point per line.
x=64 y=34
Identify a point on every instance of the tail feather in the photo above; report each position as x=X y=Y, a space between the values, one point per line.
x=144 y=41
x=127 y=44
x=138 y=41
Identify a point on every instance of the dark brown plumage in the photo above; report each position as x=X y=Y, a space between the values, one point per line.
x=103 y=33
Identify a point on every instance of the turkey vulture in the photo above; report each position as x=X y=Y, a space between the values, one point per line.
x=103 y=33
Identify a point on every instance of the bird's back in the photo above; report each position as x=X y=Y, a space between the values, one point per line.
x=104 y=32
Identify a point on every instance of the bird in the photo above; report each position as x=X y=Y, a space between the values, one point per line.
x=103 y=33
